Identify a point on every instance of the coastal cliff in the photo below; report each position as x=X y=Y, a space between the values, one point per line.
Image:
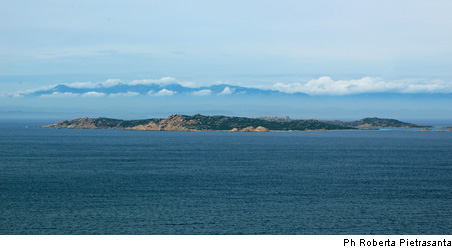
x=178 y=122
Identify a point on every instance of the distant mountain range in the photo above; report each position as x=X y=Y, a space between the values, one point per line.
x=178 y=122
x=159 y=90
x=175 y=89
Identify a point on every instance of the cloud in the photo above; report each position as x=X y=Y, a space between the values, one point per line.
x=60 y=95
x=162 y=81
x=29 y=91
x=163 y=92
x=126 y=94
x=13 y=95
x=111 y=82
x=435 y=86
x=91 y=85
x=93 y=94
x=226 y=91
x=82 y=85
x=191 y=84
x=202 y=92
x=327 y=86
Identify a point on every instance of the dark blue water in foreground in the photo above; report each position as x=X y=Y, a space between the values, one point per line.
x=132 y=182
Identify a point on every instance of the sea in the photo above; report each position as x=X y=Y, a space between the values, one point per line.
x=66 y=181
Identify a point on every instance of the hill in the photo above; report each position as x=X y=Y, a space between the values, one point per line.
x=379 y=123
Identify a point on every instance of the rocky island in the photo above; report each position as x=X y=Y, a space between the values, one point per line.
x=179 y=122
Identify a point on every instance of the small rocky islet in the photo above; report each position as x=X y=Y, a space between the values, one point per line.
x=198 y=122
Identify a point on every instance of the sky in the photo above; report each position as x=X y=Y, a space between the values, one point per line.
x=323 y=48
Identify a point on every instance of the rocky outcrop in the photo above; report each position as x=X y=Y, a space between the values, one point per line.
x=251 y=129
x=261 y=129
x=177 y=122
x=151 y=126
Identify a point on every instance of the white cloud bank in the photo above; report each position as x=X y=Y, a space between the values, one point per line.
x=80 y=85
x=162 y=81
x=93 y=94
x=205 y=92
x=60 y=95
x=126 y=94
x=226 y=91
x=327 y=86
x=113 y=82
x=92 y=85
x=11 y=95
x=163 y=92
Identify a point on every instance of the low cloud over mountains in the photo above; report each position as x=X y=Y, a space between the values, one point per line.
x=169 y=86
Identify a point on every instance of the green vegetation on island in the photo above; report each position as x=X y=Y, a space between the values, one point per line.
x=379 y=123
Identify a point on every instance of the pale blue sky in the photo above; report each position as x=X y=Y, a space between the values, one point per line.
x=220 y=39
x=274 y=44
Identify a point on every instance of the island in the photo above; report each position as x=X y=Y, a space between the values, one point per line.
x=198 y=122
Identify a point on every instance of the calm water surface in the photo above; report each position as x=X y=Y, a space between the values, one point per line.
x=132 y=182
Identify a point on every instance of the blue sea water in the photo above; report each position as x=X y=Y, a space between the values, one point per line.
x=60 y=181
